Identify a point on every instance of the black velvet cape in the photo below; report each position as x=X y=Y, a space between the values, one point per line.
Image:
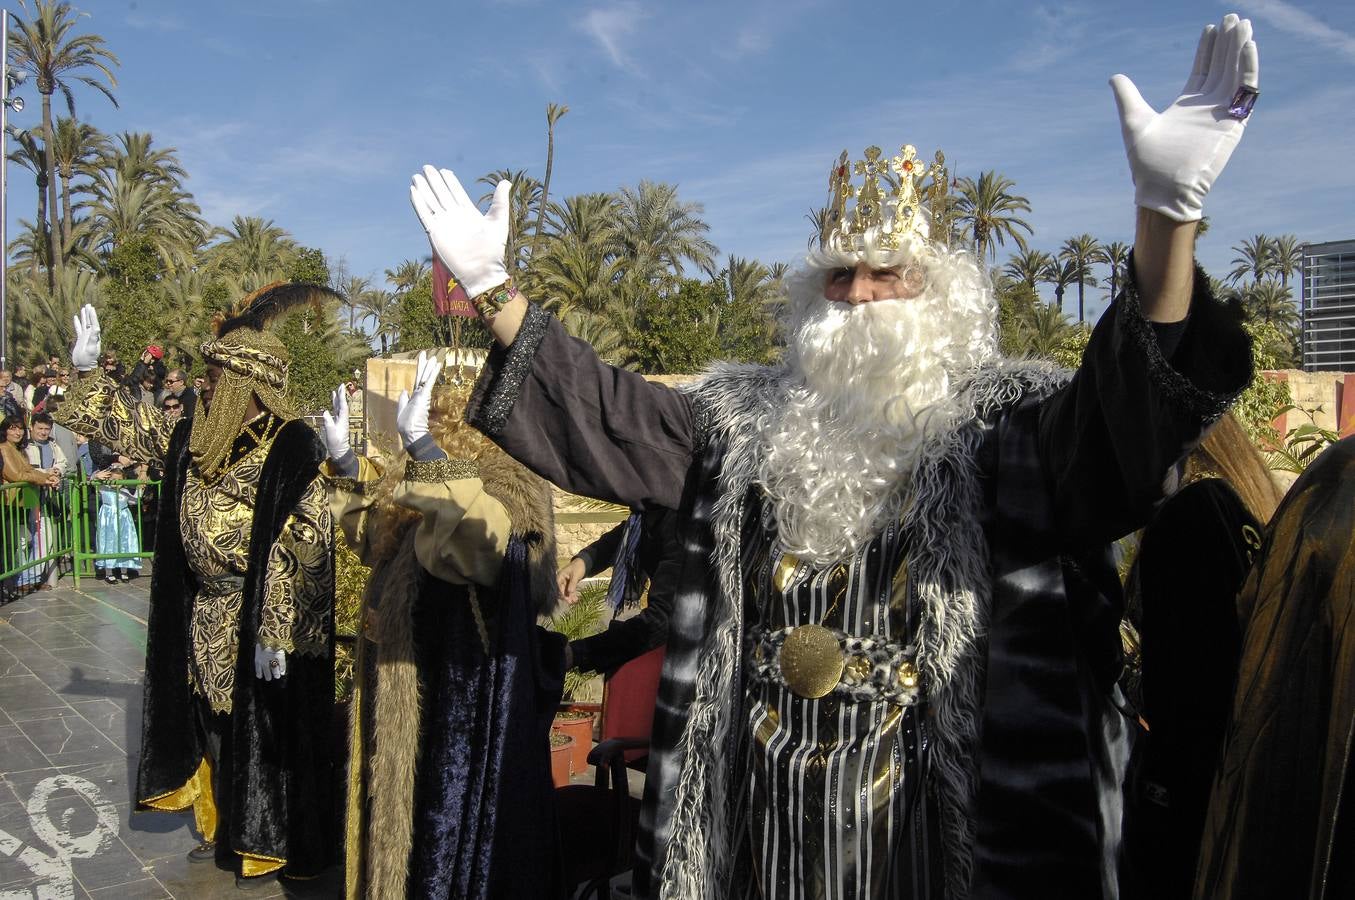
x=279 y=751
x=1191 y=563
x=484 y=818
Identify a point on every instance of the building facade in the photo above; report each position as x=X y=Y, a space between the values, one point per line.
x=1328 y=306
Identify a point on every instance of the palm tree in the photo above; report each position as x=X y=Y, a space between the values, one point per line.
x=1082 y=252
x=1271 y=302
x=656 y=232
x=135 y=159
x=1028 y=267
x=1254 y=258
x=526 y=200
x=253 y=246
x=988 y=209
x=45 y=48
x=1042 y=330
x=1287 y=254
x=1060 y=274
x=381 y=307
x=120 y=210
x=577 y=264
x=1116 y=255
x=33 y=157
x=554 y=113
x=78 y=146
x=354 y=292
x=408 y=275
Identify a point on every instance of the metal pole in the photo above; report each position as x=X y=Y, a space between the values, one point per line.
x=4 y=188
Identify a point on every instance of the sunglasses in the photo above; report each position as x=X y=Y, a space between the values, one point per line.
x=168 y=406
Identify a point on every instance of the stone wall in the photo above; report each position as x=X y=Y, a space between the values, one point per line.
x=1330 y=396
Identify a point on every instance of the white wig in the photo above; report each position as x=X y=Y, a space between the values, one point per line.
x=868 y=384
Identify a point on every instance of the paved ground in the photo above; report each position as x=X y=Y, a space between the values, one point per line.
x=70 y=714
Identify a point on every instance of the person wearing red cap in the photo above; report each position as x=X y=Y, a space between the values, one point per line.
x=148 y=376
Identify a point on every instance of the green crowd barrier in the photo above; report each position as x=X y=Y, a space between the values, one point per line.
x=77 y=527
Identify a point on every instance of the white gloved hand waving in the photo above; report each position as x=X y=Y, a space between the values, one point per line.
x=469 y=242
x=269 y=664
x=335 y=421
x=1176 y=154
x=88 y=340
x=411 y=410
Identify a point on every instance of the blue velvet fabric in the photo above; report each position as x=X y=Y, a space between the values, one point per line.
x=484 y=805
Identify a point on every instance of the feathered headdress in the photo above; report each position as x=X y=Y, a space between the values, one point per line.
x=263 y=307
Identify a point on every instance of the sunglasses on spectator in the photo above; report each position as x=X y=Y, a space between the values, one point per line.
x=169 y=406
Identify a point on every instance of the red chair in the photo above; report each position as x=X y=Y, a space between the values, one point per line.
x=599 y=822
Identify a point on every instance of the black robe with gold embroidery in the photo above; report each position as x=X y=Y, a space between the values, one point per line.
x=279 y=752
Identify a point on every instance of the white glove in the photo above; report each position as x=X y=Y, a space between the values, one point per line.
x=335 y=430
x=269 y=664
x=411 y=410
x=471 y=244
x=85 y=353
x=1175 y=155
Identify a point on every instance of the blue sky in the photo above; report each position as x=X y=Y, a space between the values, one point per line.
x=314 y=113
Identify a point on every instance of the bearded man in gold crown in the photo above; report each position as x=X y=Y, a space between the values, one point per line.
x=239 y=682
x=893 y=650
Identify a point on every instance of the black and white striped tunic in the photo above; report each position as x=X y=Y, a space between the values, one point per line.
x=836 y=806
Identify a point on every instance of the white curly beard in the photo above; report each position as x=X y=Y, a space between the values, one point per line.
x=869 y=385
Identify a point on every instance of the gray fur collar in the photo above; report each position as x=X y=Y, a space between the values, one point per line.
x=948 y=561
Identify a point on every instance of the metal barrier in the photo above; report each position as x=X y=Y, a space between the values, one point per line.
x=79 y=527
x=113 y=523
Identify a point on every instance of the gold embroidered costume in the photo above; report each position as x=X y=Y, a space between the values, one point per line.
x=244 y=569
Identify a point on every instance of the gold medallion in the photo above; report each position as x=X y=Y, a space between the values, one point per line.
x=811 y=661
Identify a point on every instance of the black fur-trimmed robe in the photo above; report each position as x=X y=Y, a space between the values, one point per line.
x=279 y=752
x=449 y=790
x=1008 y=537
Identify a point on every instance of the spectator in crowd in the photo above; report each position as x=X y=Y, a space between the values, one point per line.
x=14 y=527
x=34 y=383
x=176 y=385
x=110 y=366
x=61 y=384
x=148 y=375
x=63 y=436
x=172 y=407
x=46 y=454
x=44 y=391
x=11 y=394
x=21 y=377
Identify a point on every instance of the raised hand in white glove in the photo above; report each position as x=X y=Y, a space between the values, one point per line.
x=269 y=664
x=411 y=410
x=88 y=340
x=469 y=242
x=1176 y=154
x=335 y=425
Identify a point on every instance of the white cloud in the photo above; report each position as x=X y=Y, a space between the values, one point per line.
x=1300 y=23
x=611 y=26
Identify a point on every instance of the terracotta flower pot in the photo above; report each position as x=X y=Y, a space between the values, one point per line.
x=578 y=725
x=561 y=751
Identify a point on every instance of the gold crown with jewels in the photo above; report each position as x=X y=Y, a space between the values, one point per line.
x=899 y=196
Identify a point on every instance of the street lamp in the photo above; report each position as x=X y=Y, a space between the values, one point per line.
x=8 y=81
